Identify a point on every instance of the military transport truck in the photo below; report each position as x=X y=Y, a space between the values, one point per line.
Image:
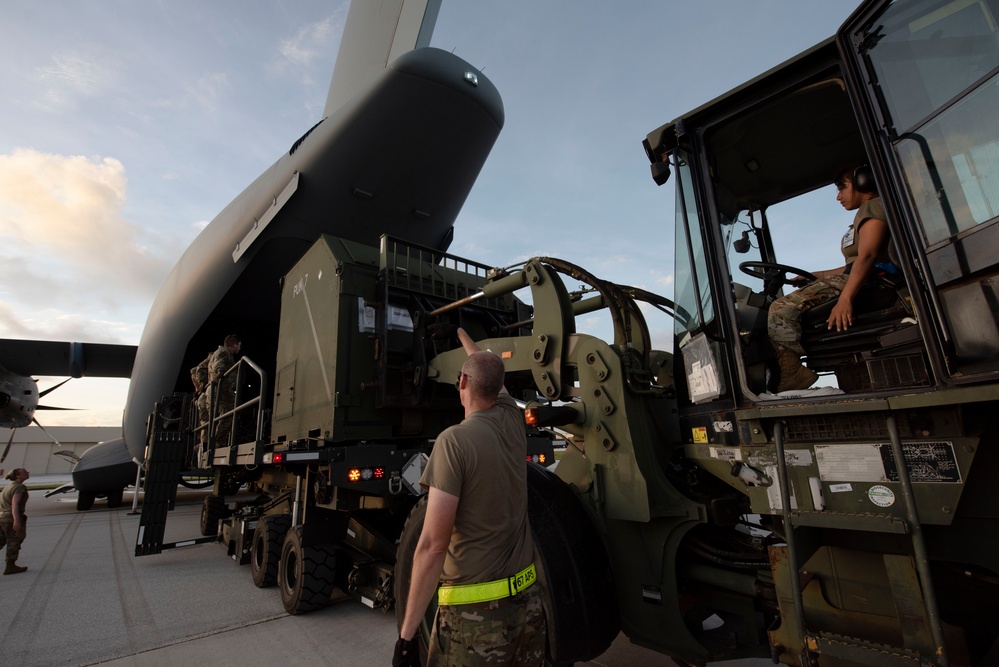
x=694 y=509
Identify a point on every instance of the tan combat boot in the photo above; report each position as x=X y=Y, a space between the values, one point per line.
x=14 y=569
x=793 y=375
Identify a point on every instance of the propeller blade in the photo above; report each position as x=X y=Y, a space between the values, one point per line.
x=69 y=455
x=6 y=450
x=52 y=407
x=51 y=389
x=46 y=432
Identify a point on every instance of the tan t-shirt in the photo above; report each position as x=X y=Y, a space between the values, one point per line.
x=872 y=208
x=482 y=461
x=7 y=498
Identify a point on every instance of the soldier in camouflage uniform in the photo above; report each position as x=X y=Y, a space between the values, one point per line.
x=476 y=538
x=13 y=520
x=865 y=248
x=199 y=378
x=222 y=390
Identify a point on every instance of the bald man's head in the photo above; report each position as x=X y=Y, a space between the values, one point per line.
x=485 y=374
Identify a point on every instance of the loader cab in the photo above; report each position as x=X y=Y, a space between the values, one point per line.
x=911 y=90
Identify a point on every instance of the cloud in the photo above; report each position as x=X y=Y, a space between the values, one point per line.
x=204 y=93
x=312 y=42
x=662 y=280
x=67 y=246
x=53 y=324
x=304 y=46
x=207 y=89
x=13 y=328
x=72 y=75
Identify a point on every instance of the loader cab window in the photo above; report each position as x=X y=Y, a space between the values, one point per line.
x=943 y=102
x=743 y=237
x=934 y=71
x=695 y=307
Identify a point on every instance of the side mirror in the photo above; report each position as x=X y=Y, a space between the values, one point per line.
x=742 y=245
x=660 y=172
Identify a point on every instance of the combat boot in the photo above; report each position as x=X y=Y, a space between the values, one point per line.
x=793 y=375
x=15 y=569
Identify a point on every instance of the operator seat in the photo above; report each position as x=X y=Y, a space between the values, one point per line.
x=876 y=309
x=881 y=348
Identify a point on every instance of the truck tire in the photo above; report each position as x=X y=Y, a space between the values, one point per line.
x=305 y=574
x=85 y=500
x=265 y=550
x=403 y=574
x=577 y=584
x=212 y=510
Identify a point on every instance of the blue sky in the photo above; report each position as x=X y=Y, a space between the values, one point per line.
x=126 y=126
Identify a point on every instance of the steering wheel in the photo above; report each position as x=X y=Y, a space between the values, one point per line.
x=773 y=275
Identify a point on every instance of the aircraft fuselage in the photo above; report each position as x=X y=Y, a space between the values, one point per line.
x=400 y=158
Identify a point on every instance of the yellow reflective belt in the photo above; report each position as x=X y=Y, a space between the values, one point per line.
x=489 y=590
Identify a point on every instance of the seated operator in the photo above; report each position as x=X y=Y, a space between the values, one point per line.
x=864 y=246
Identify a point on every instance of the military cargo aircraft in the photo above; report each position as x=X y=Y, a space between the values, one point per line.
x=21 y=359
x=407 y=128
x=19 y=399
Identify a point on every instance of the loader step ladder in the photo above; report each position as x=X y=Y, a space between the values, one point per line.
x=851 y=648
x=166 y=456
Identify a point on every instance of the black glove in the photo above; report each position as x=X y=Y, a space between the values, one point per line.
x=407 y=653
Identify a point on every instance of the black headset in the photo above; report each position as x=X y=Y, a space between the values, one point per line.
x=863 y=179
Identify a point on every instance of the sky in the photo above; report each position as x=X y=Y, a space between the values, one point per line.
x=125 y=127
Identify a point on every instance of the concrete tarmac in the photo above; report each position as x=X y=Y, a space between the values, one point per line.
x=87 y=600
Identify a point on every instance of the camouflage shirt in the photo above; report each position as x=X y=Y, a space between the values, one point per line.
x=221 y=361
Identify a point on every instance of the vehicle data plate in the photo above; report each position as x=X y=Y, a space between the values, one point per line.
x=928 y=462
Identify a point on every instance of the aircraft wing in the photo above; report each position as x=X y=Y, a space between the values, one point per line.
x=43 y=357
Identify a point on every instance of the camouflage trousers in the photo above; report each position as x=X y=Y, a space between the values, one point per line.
x=510 y=631
x=12 y=538
x=202 y=404
x=784 y=318
x=225 y=399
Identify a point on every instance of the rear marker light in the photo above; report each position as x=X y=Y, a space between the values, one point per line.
x=365 y=474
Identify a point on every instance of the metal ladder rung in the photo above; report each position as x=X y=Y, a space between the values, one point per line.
x=870 y=523
x=829 y=644
x=860 y=651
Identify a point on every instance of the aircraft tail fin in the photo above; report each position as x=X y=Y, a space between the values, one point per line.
x=375 y=34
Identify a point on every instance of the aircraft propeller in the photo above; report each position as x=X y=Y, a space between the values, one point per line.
x=10 y=440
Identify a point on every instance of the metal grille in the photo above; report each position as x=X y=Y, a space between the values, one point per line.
x=856 y=426
x=907 y=371
x=415 y=268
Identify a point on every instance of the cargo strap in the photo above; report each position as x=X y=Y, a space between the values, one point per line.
x=488 y=590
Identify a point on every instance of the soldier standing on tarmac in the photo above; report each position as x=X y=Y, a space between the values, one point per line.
x=222 y=388
x=13 y=520
x=476 y=539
